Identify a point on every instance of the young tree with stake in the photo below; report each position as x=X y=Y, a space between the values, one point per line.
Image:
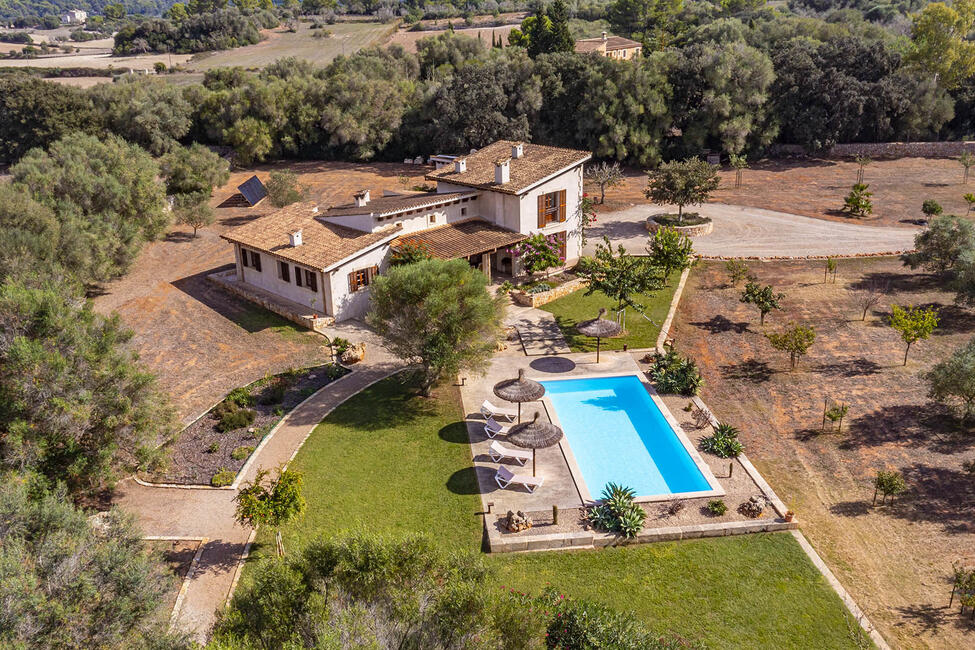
x=670 y=250
x=619 y=276
x=796 y=340
x=273 y=503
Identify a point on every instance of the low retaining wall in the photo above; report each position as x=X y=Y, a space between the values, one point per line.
x=879 y=150
x=227 y=280
x=500 y=543
x=537 y=299
x=690 y=231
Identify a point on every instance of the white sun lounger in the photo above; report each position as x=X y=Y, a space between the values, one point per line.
x=499 y=452
x=489 y=410
x=493 y=428
x=505 y=477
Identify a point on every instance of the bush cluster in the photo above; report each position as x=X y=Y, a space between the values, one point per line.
x=617 y=513
x=231 y=416
x=673 y=374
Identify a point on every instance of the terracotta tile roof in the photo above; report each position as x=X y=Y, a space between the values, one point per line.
x=612 y=43
x=462 y=239
x=590 y=45
x=536 y=164
x=385 y=205
x=323 y=243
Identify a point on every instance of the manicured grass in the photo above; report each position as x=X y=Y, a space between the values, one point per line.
x=389 y=463
x=640 y=332
x=254 y=318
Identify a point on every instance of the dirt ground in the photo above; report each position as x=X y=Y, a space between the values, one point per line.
x=408 y=38
x=177 y=556
x=896 y=559
x=816 y=188
x=200 y=341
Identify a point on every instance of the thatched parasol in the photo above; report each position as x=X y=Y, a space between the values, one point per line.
x=534 y=435
x=599 y=328
x=519 y=390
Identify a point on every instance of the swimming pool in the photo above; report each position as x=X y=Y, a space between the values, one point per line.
x=617 y=433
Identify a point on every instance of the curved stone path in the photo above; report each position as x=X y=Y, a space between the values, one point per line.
x=209 y=513
x=741 y=231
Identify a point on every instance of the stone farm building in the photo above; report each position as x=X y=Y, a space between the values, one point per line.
x=314 y=263
x=614 y=47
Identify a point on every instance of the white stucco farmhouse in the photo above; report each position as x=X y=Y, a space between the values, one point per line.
x=323 y=258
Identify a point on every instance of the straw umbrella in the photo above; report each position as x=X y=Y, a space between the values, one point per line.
x=519 y=390
x=534 y=435
x=599 y=328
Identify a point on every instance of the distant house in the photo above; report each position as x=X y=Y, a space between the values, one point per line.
x=614 y=47
x=74 y=17
x=323 y=259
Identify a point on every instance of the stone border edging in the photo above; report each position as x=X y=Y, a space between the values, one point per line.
x=844 y=595
x=185 y=585
x=697 y=230
x=594 y=540
x=786 y=258
x=250 y=459
x=665 y=328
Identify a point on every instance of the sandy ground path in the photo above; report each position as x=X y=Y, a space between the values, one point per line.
x=741 y=231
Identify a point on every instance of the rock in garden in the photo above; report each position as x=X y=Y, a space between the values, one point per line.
x=515 y=522
x=754 y=507
x=354 y=353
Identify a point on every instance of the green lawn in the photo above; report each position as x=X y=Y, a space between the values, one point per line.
x=386 y=462
x=640 y=332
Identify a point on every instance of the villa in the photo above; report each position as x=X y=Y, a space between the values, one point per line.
x=322 y=258
x=613 y=47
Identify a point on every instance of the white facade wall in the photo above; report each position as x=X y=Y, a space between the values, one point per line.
x=268 y=279
x=455 y=211
x=347 y=304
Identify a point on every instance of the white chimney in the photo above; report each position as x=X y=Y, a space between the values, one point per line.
x=361 y=198
x=460 y=165
x=517 y=150
x=604 y=36
x=502 y=171
x=295 y=238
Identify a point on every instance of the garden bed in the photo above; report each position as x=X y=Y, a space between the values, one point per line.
x=693 y=224
x=545 y=290
x=202 y=451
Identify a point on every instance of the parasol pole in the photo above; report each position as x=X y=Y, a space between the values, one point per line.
x=534 y=451
x=597 y=349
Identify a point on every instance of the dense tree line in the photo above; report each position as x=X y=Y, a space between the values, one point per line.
x=13 y=9
x=222 y=29
x=731 y=83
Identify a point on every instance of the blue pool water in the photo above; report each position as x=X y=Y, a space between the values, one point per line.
x=618 y=435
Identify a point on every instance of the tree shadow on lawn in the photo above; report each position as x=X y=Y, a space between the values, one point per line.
x=752 y=371
x=390 y=408
x=954 y=319
x=907 y=282
x=464 y=481
x=851 y=508
x=720 y=324
x=859 y=367
x=455 y=432
x=932 y=618
x=929 y=425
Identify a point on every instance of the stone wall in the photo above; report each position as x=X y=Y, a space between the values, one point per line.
x=691 y=231
x=879 y=150
x=537 y=299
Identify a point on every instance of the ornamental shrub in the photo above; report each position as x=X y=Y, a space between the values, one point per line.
x=724 y=442
x=674 y=374
x=617 y=513
x=232 y=417
x=222 y=478
x=717 y=507
x=538 y=253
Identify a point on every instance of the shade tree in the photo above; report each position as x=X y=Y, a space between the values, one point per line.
x=952 y=381
x=683 y=182
x=939 y=247
x=193 y=170
x=437 y=315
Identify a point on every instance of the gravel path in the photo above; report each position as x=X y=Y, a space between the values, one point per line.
x=752 y=232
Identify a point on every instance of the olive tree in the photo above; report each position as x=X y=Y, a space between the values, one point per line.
x=953 y=380
x=682 y=182
x=438 y=315
x=939 y=247
x=913 y=323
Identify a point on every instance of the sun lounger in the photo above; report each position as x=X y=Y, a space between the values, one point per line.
x=499 y=452
x=505 y=477
x=490 y=410
x=492 y=428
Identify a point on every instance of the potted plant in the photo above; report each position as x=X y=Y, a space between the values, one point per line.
x=790 y=513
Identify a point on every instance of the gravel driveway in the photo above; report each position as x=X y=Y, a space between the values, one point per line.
x=751 y=232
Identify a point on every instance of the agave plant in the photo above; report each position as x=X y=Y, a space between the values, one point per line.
x=724 y=442
x=630 y=523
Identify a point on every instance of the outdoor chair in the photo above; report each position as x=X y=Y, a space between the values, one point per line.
x=489 y=410
x=493 y=428
x=499 y=452
x=505 y=477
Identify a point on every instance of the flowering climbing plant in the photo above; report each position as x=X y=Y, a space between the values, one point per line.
x=538 y=253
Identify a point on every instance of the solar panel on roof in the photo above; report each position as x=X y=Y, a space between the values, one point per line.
x=253 y=190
